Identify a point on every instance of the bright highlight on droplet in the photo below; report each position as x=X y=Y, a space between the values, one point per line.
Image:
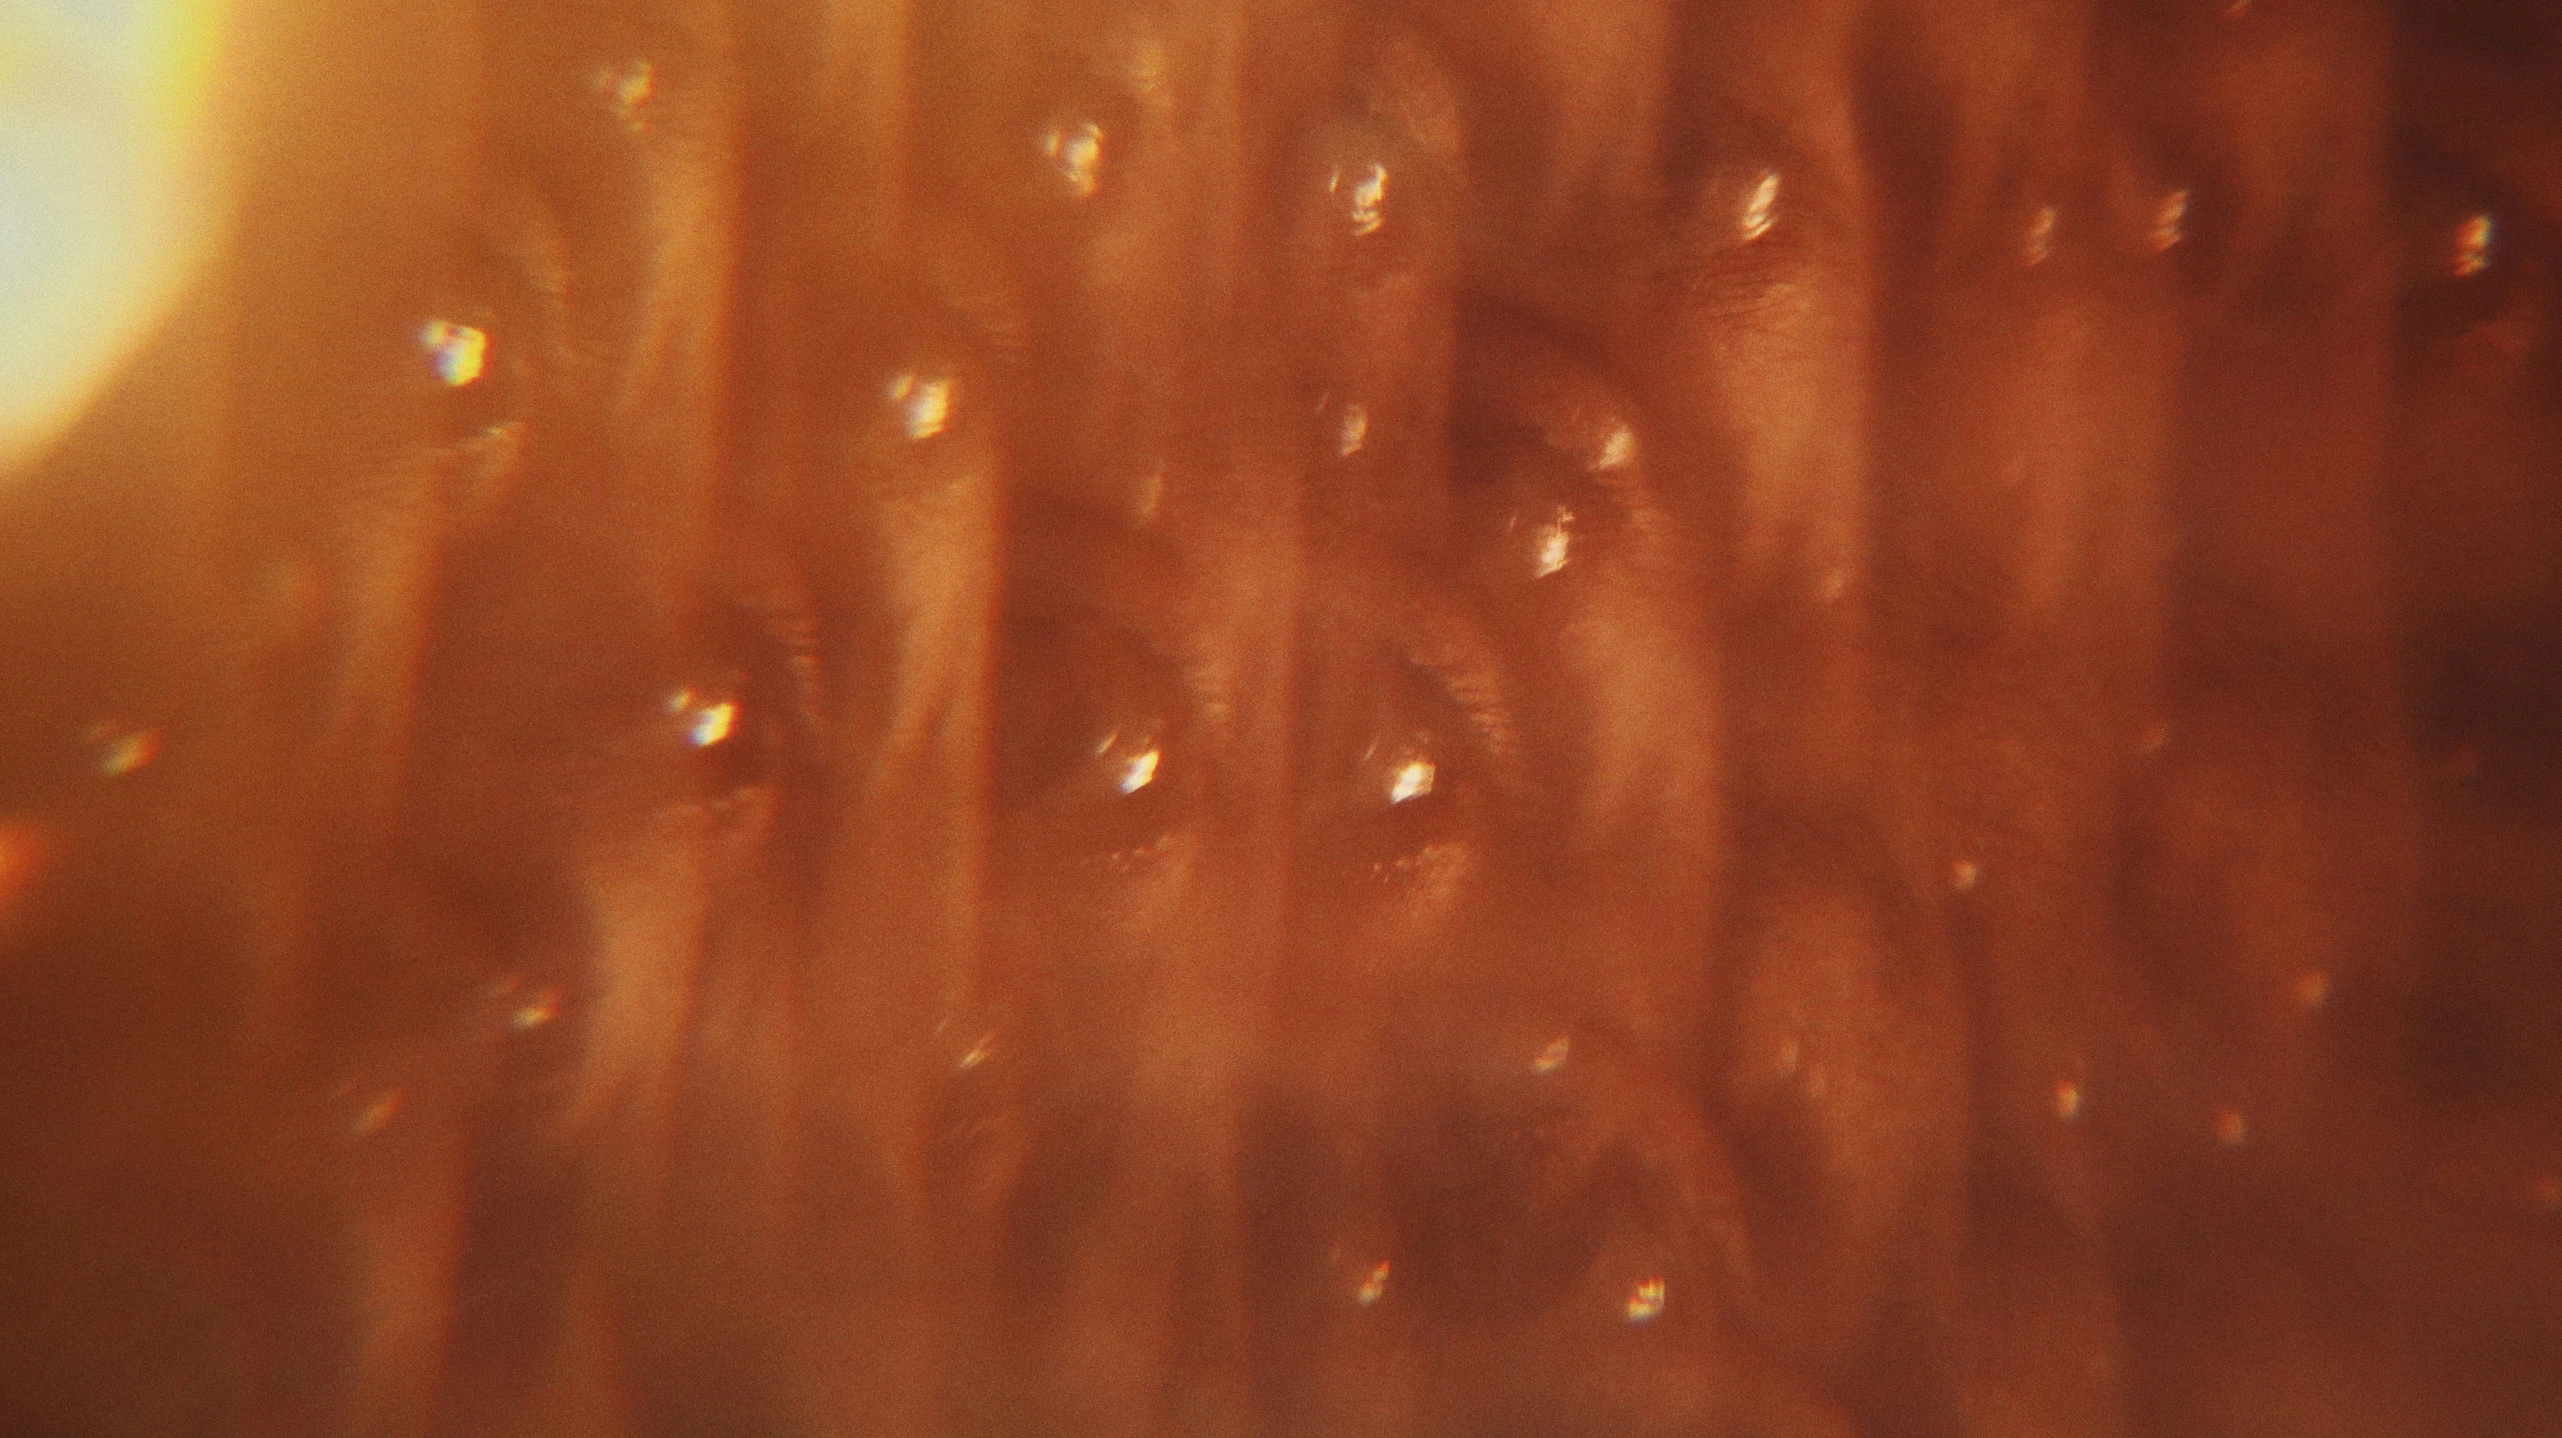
x=2068 y=1100
x=1374 y=1285
x=1617 y=448
x=114 y=180
x=1760 y=209
x=2170 y=221
x=1963 y=874
x=627 y=88
x=924 y=405
x=978 y=1052
x=376 y=1113
x=458 y=353
x=1554 y=1055
x=2041 y=238
x=539 y=1009
x=1138 y=772
x=1076 y=152
x=2469 y=253
x=1551 y=546
x=1367 y=200
x=1646 y=1301
x=1352 y=431
x=122 y=751
x=1411 y=781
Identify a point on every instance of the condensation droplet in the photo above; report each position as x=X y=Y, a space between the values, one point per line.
x=1365 y=196
x=1760 y=208
x=1411 y=780
x=1645 y=1301
x=2313 y=989
x=626 y=88
x=2170 y=221
x=537 y=1010
x=977 y=1054
x=2231 y=1129
x=924 y=405
x=1076 y=152
x=1963 y=874
x=2068 y=1100
x=2040 y=243
x=376 y=1112
x=1351 y=431
x=708 y=720
x=1374 y=1285
x=1551 y=545
x=1617 y=448
x=1554 y=1055
x=119 y=750
x=458 y=353
x=2469 y=251
x=1137 y=772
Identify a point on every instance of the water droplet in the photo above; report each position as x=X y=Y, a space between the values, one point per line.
x=1963 y=874
x=626 y=87
x=1137 y=772
x=1554 y=1055
x=2068 y=1100
x=1411 y=780
x=709 y=719
x=119 y=750
x=2040 y=243
x=2313 y=989
x=1076 y=152
x=1374 y=1285
x=1551 y=544
x=458 y=353
x=1617 y=448
x=537 y=1009
x=924 y=405
x=2170 y=221
x=1645 y=1301
x=1364 y=195
x=1759 y=208
x=978 y=1053
x=2469 y=249
x=2231 y=1129
x=1351 y=431
x=374 y=1111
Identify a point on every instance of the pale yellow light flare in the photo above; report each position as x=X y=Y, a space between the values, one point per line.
x=112 y=188
x=1374 y=1285
x=1760 y=208
x=2469 y=253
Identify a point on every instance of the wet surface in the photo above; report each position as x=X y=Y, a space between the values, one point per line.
x=1212 y=719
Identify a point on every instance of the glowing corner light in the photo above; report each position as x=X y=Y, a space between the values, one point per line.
x=1646 y=1301
x=1138 y=773
x=1374 y=1285
x=1077 y=153
x=1412 y=781
x=114 y=180
x=2470 y=254
x=457 y=352
x=1760 y=209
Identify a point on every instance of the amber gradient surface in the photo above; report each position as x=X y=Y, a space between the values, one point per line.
x=1221 y=717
